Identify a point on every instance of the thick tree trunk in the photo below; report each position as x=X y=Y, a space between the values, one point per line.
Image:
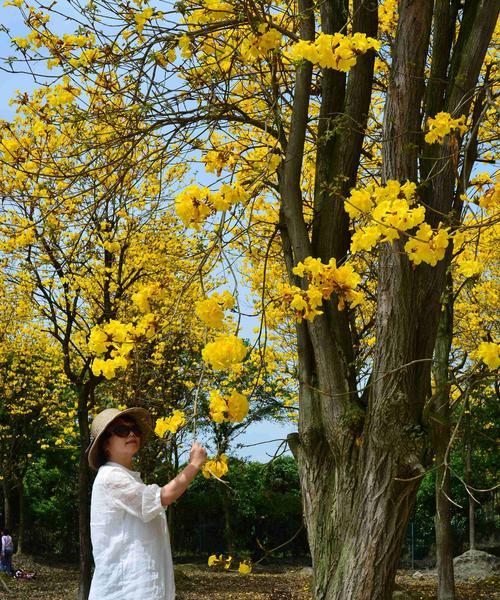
x=468 y=481
x=441 y=436
x=21 y=528
x=85 y=551
x=7 y=505
x=356 y=513
x=228 y=529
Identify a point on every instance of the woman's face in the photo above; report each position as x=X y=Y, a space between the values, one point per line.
x=124 y=440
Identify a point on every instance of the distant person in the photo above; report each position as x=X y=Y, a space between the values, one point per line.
x=7 y=551
x=130 y=539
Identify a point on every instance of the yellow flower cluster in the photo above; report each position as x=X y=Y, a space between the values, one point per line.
x=428 y=245
x=217 y=160
x=362 y=201
x=215 y=561
x=254 y=47
x=232 y=408
x=324 y=280
x=220 y=561
x=442 y=125
x=213 y=10
x=490 y=200
x=118 y=340
x=142 y=17
x=336 y=51
x=388 y=16
x=489 y=353
x=194 y=204
x=142 y=298
x=217 y=467
x=172 y=423
x=469 y=268
x=224 y=352
x=389 y=209
x=211 y=310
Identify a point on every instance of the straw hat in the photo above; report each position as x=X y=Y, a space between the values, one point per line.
x=105 y=418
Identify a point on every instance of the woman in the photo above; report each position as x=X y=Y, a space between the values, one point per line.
x=129 y=532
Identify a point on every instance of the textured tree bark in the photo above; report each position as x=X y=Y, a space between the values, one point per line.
x=21 y=529
x=469 y=482
x=7 y=504
x=356 y=513
x=441 y=437
x=85 y=550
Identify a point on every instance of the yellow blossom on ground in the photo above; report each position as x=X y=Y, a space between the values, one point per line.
x=213 y=560
x=245 y=568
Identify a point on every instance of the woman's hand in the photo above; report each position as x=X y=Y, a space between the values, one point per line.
x=197 y=455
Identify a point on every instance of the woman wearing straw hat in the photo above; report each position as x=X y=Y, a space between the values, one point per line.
x=129 y=531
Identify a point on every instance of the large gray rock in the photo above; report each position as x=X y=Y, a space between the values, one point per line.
x=476 y=564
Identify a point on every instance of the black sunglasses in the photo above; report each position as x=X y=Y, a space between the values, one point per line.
x=122 y=430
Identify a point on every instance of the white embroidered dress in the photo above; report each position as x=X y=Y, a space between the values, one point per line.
x=130 y=540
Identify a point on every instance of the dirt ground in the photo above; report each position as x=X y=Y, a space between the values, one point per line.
x=57 y=581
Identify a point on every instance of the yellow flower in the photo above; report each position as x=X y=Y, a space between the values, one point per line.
x=172 y=423
x=359 y=201
x=333 y=51
x=217 y=466
x=429 y=245
x=245 y=568
x=99 y=341
x=212 y=560
x=224 y=352
x=237 y=407
x=210 y=311
x=193 y=206
x=489 y=353
x=442 y=125
x=233 y=408
x=218 y=407
x=108 y=368
x=365 y=239
x=470 y=268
